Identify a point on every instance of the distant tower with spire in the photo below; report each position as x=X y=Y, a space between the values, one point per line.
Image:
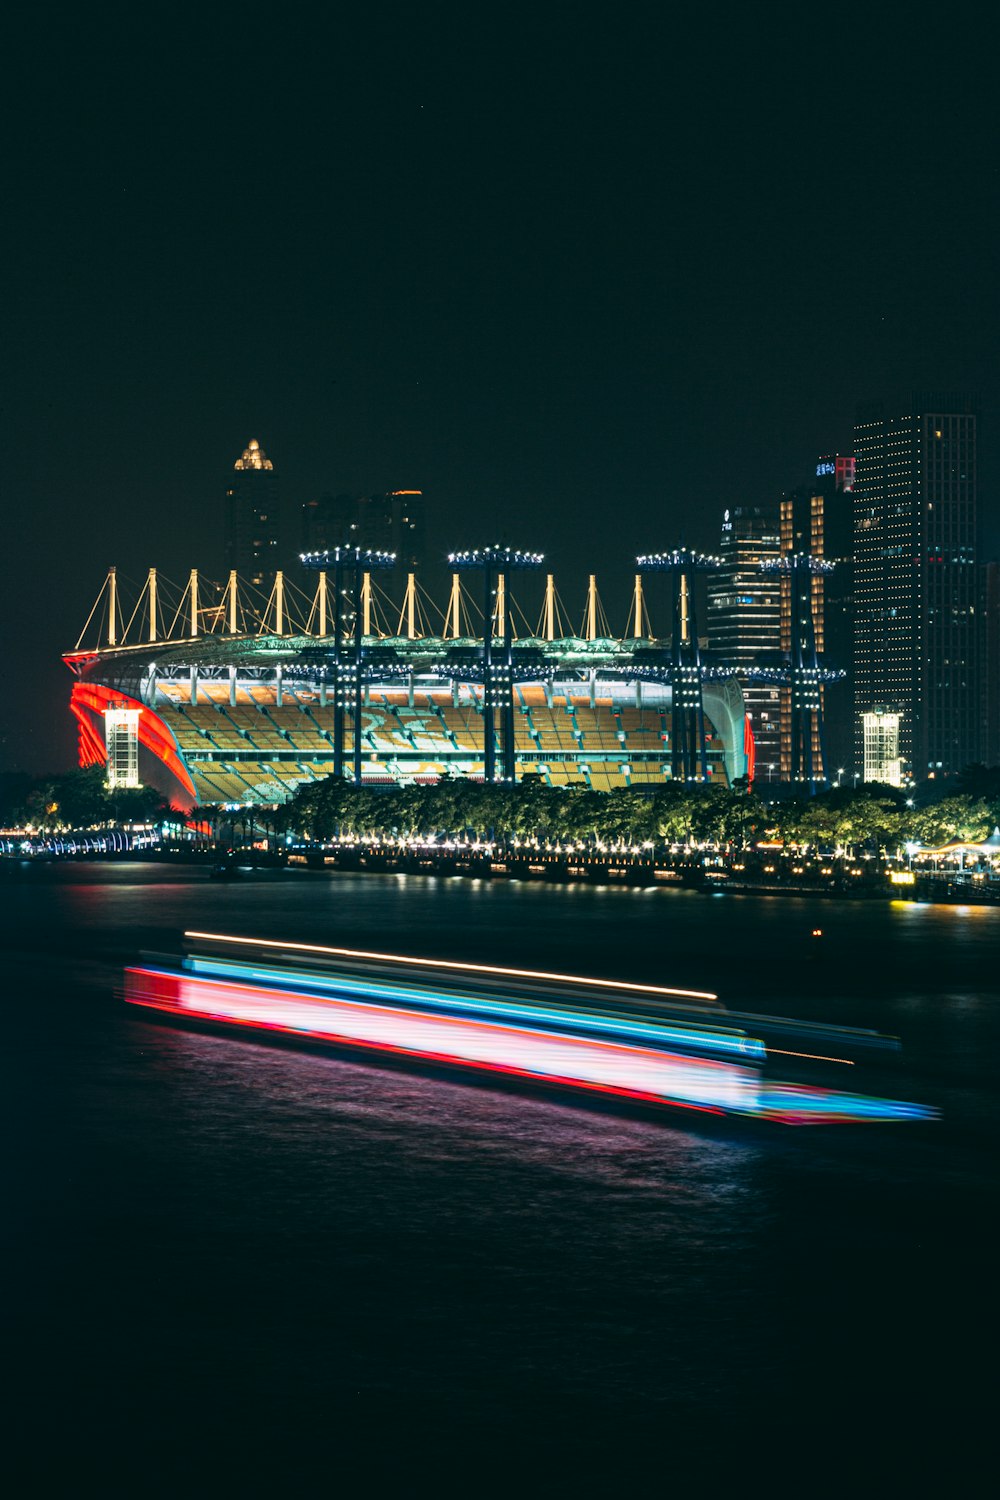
x=253 y=529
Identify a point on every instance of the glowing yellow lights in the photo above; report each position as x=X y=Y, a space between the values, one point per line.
x=902 y=877
x=447 y=963
x=253 y=457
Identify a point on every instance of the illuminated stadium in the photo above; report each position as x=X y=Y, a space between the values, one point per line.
x=219 y=695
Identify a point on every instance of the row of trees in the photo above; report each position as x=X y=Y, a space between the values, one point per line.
x=75 y=799
x=876 y=817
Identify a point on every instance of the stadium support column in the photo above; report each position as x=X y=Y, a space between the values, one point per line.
x=497 y=562
x=336 y=664
x=347 y=672
x=506 y=687
x=802 y=673
x=358 y=649
x=689 y=756
x=489 y=740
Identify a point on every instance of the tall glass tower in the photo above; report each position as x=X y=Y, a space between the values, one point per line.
x=915 y=586
x=816 y=519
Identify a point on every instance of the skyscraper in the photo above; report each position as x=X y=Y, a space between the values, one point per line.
x=744 y=620
x=816 y=518
x=989 y=663
x=915 y=588
x=253 y=529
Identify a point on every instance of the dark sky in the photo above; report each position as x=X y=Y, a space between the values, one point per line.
x=585 y=282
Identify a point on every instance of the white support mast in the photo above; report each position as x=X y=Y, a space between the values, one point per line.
x=112 y=606
x=193 y=588
x=152 y=604
x=453 y=622
x=550 y=607
x=591 y=631
x=409 y=610
x=231 y=601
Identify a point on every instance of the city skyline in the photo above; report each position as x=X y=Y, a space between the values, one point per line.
x=814 y=517
x=598 y=312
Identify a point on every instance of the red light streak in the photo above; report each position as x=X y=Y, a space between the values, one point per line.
x=628 y=1071
x=646 y=1075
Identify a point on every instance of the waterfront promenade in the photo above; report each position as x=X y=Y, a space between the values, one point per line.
x=763 y=871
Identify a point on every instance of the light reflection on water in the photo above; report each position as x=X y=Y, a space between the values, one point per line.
x=462 y=1243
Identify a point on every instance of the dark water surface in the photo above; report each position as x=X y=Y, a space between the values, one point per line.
x=213 y=1240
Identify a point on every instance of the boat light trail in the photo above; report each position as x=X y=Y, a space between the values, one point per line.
x=813 y=1056
x=623 y=1069
x=585 y=1062
x=728 y=1042
x=453 y=964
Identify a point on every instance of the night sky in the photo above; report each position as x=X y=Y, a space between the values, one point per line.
x=584 y=281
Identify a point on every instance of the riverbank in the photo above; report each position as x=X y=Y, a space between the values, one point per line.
x=771 y=872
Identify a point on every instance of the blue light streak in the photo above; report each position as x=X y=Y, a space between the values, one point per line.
x=656 y=1033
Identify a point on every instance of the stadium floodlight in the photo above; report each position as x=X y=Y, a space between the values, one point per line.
x=498 y=558
x=681 y=558
x=366 y=558
x=345 y=669
x=804 y=675
x=496 y=561
x=790 y=562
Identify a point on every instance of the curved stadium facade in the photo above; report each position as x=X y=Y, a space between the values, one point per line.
x=248 y=718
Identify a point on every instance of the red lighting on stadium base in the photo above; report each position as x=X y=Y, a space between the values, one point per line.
x=92 y=699
x=749 y=748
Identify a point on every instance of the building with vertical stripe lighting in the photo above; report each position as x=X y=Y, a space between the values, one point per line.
x=744 y=620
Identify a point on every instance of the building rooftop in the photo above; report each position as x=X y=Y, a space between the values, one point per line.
x=253 y=457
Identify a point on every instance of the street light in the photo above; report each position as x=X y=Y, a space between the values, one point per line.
x=840 y=775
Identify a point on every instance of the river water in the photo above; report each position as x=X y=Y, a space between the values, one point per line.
x=211 y=1238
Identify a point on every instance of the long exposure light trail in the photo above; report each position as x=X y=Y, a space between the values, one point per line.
x=648 y=1074
x=702 y=1038
x=453 y=964
x=636 y=1072
x=812 y=1056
